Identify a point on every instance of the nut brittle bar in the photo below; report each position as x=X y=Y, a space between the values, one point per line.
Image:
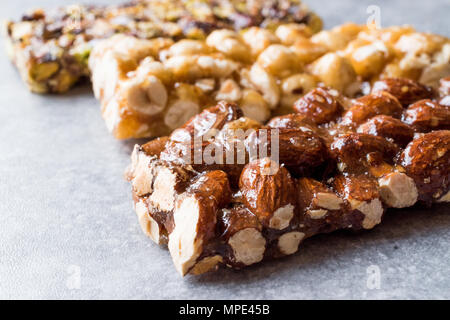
x=338 y=166
x=150 y=87
x=51 y=47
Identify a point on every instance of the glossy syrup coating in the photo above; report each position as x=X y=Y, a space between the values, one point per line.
x=264 y=70
x=51 y=47
x=213 y=118
x=292 y=121
x=155 y=146
x=320 y=105
x=369 y=106
x=357 y=152
x=265 y=188
x=299 y=150
x=427 y=160
x=427 y=115
x=261 y=209
x=236 y=219
x=389 y=128
x=405 y=90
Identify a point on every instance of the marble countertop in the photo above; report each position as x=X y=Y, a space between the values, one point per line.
x=68 y=231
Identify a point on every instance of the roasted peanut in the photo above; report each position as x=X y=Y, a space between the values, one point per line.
x=292 y=32
x=279 y=60
x=229 y=43
x=308 y=51
x=265 y=83
x=334 y=71
x=254 y=106
x=294 y=87
x=369 y=60
x=258 y=39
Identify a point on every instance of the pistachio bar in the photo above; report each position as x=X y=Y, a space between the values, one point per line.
x=50 y=48
x=205 y=192
x=151 y=87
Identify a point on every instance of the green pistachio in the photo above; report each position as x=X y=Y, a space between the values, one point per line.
x=43 y=71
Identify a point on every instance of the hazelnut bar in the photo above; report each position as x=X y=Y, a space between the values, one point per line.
x=151 y=87
x=335 y=166
x=51 y=48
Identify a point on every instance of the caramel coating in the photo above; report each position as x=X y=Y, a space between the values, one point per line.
x=427 y=160
x=300 y=151
x=212 y=185
x=427 y=115
x=357 y=187
x=371 y=105
x=405 y=90
x=239 y=214
x=155 y=146
x=357 y=152
x=292 y=121
x=266 y=189
x=236 y=219
x=212 y=118
x=363 y=199
x=321 y=209
x=389 y=128
x=319 y=105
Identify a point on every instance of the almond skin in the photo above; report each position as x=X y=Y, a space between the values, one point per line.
x=236 y=219
x=427 y=115
x=301 y=122
x=195 y=218
x=321 y=209
x=292 y=121
x=242 y=232
x=427 y=160
x=300 y=151
x=320 y=105
x=211 y=118
x=357 y=152
x=263 y=192
x=362 y=196
x=212 y=186
x=405 y=90
x=388 y=128
x=371 y=105
x=155 y=147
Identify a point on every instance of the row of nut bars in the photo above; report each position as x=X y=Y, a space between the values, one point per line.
x=51 y=47
x=149 y=88
x=343 y=163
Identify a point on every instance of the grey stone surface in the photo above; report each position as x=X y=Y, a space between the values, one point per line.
x=65 y=209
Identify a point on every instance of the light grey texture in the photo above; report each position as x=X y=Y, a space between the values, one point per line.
x=64 y=203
